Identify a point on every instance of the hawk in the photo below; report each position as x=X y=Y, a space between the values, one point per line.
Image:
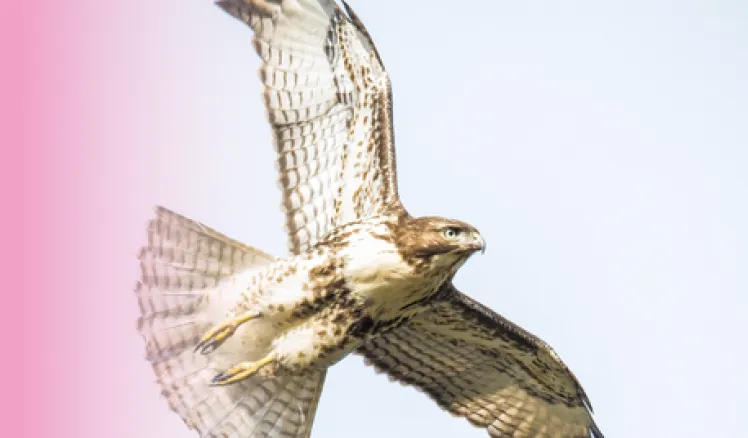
x=240 y=341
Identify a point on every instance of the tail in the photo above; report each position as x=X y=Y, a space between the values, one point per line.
x=182 y=266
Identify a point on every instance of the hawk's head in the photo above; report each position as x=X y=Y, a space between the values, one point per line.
x=438 y=242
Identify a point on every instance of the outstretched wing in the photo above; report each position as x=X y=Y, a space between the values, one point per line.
x=328 y=100
x=478 y=365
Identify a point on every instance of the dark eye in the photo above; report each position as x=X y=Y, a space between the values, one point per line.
x=451 y=232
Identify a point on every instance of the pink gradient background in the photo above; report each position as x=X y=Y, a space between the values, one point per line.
x=79 y=87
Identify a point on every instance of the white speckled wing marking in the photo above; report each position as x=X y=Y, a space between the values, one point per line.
x=478 y=365
x=328 y=100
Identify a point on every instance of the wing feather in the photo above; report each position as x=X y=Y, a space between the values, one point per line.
x=328 y=99
x=184 y=265
x=480 y=366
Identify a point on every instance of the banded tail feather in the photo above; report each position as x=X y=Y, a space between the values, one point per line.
x=185 y=268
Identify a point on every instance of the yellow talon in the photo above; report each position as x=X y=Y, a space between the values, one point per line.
x=242 y=371
x=218 y=334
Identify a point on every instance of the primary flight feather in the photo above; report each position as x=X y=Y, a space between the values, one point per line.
x=240 y=341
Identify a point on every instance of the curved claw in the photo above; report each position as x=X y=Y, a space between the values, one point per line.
x=240 y=372
x=214 y=338
x=218 y=334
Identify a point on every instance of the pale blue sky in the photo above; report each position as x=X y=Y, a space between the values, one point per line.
x=600 y=147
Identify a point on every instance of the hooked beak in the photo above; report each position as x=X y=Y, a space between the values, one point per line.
x=479 y=243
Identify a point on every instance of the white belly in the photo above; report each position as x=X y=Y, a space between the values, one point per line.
x=375 y=271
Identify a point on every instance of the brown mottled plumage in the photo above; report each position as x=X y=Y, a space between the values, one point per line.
x=240 y=341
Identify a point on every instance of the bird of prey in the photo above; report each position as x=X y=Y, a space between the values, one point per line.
x=240 y=341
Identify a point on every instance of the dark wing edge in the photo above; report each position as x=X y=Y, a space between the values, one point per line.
x=478 y=365
x=387 y=157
